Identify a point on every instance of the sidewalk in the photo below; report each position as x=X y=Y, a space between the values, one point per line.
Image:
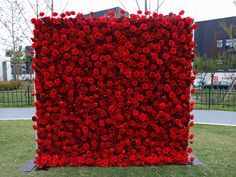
x=16 y=113
x=212 y=117
x=201 y=116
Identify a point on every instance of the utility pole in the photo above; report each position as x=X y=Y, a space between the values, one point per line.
x=149 y=6
x=158 y=4
x=37 y=8
x=145 y=5
x=52 y=4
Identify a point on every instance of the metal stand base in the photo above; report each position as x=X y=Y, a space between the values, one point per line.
x=196 y=161
x=30 y=166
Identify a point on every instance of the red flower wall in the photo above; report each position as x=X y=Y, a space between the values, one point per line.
x=113 y=91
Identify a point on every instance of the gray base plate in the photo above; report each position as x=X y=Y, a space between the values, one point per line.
x=196 y=161
x=30 y=166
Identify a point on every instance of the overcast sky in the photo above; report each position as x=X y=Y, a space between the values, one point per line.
x=197 y=9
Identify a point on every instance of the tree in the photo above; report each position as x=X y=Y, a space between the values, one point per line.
x=230 y=30
x=16 y=61
x=223 y=62
x=228 y=58
x=16 y=31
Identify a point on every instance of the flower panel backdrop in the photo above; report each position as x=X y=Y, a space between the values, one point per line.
x=113 y=91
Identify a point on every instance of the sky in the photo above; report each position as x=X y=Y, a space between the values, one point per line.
x=198 y=9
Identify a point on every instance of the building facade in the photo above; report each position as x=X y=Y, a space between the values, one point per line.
x=5 y=69
x=211 y=38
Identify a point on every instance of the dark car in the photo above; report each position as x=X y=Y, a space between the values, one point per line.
x=219 y=85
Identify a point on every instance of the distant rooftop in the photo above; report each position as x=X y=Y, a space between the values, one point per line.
x=102 y=13
x=216 y=19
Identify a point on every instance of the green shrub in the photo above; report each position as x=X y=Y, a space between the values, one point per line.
x=9 y=85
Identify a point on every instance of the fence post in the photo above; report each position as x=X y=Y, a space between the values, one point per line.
x=3 y=97
x=28 y=96
x=209 y=98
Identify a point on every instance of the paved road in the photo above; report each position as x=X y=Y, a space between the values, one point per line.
x=215 y=117
x=16 y=113
x=201 y=116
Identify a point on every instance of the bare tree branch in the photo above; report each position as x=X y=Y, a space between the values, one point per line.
x=32 y=7
x=159 y=6
x=65 y=6
x=229 y=30
x=137 y=4
x=20 y=12
x=47 y=5
x=11 y=19
x=123 y=6
x=23 y=33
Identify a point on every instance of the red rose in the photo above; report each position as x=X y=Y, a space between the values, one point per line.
x=190 y=150
x=95 y=57
x=143 y=117
x=35 y=127
x=173 y=50
x=129 y=91
x=192 y=117
x=133 y=29
x=162 y=106
x=181 y=12
x=122 y=11
x=166 y=56
x=192 y=159
x=167 y=88
x=147 y=12
x=85 y=129
x=41 y=14
x=195 y=72
x=139 y=12
x=135 y=112
x=128 y=73
x=191 y=124
x=194 y=26
x=110 y=13
x=191 y=136
x=159 y=61
x=54 y=14
x=193 y=91
x=102 y=123
x=143 y=26
x=192 y=44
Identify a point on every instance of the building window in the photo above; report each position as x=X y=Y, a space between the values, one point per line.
x=219 y=43
x=230 y=42
x=234 y=42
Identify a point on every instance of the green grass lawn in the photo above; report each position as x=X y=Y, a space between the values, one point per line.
x=215 y=146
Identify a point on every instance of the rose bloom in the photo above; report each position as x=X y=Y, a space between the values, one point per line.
x=113 y=91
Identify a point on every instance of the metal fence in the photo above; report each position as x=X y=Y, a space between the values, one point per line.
x=216 y=99
x=16 y=98
x=204 y=99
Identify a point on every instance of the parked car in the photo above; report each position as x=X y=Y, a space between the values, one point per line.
x=199 y=84
x=219 y=85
